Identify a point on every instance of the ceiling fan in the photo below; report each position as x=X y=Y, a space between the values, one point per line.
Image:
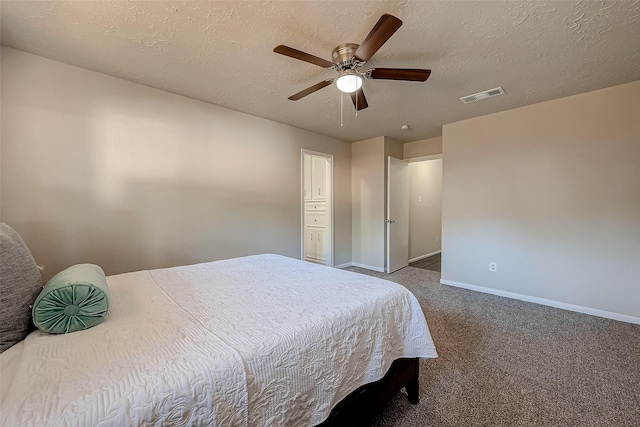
x=349 y=58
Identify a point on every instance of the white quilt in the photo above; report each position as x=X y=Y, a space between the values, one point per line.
x=256 y=341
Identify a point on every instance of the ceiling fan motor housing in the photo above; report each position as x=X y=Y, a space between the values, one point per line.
x=343 y=55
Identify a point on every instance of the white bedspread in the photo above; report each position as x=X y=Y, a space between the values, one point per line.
x=256 y=341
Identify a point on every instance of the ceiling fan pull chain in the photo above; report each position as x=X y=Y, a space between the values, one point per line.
x=341 y=109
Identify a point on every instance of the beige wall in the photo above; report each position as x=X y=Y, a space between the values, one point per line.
x=423 y=148
x=98 y=169
x=551 y=192
x=369 y=204
x=367 y=178
x=425 y=207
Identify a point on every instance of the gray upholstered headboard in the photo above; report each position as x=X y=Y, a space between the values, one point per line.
x=20 y=284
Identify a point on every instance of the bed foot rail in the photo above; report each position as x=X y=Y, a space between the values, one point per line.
x=359 y=407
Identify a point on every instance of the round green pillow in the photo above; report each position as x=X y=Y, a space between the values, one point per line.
x=74 y=299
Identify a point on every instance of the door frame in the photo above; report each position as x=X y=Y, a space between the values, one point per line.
x=330 y=198
x=419 y=160
x=423 y=158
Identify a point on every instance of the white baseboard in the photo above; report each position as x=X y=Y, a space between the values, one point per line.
x=345 y=265
x=418 y=258
x=543 y=301
x=355 y=264
x=368 y=267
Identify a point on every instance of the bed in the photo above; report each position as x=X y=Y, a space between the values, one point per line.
x=262 y=340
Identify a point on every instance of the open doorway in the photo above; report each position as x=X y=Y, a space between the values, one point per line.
x=317 y=207
x=425 y=212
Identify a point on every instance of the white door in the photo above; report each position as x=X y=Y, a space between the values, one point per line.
x=397 y=214
x=318 y=176
x=320 y=248
x=308 y=189
x=309 y=243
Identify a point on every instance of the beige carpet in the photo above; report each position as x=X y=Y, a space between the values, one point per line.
x=510 y=363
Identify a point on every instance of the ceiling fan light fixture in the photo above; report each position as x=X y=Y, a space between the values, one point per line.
x=349 y=82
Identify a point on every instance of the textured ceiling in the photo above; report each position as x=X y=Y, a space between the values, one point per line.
x=222 y=53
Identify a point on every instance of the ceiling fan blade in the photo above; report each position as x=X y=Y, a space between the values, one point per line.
x=310 y=90
x=411 y=74
x=362 y=101
x=383 y=30
x=303 y=56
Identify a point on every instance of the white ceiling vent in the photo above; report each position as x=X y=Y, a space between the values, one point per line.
x=482 y=95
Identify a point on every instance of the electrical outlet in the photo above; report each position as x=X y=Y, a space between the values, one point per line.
x=437 y=239
x=419 y=199
x=493 y=266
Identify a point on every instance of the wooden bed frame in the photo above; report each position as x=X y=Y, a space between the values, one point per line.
x=360 y=406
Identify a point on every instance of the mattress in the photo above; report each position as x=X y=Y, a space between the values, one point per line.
x=255 y=341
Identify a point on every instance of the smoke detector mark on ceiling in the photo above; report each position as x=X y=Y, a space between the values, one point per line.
x=482 y=95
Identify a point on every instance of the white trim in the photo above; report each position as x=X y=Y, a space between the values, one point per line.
x=368 y=267
x=330 y=228
x=423 y=256
x=345 y=265
x=302 y=204
x=316 y=153
x=423 y=158
x=543 y=301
